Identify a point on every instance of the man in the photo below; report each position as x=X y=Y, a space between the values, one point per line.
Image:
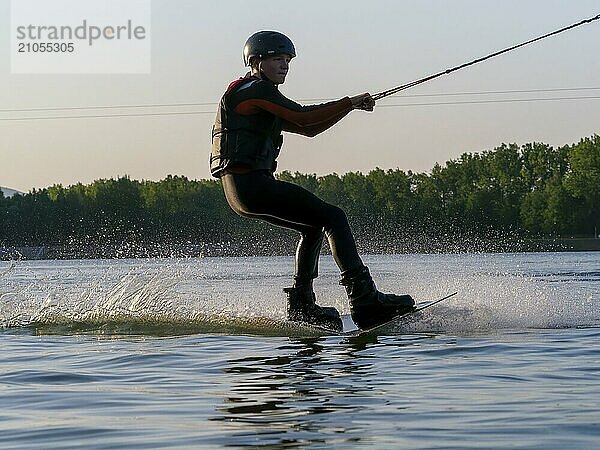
x=246 y=141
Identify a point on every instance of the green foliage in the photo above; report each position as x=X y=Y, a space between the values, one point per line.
x=582 y=181
x=533 y=190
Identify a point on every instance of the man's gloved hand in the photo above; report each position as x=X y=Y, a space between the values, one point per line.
x=363 y=101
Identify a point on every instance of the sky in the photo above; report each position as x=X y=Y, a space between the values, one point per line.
x=343 y=48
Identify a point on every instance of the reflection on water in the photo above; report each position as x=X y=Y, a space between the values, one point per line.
x=285 y=398
x=209 y=391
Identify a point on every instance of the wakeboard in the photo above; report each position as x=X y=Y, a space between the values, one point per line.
x=350 y=328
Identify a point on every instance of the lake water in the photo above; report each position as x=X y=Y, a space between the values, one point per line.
x=195 y=353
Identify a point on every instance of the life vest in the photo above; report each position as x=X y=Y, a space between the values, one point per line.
x=251 y=141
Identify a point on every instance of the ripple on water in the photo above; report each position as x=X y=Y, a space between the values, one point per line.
x=486 y=371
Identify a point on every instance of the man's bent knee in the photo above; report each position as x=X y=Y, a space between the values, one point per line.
x=336 y=217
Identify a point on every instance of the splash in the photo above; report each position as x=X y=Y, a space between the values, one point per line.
x=243 y=295
x=155 y=297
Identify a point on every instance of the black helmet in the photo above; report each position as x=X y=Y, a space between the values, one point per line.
x=267 y=43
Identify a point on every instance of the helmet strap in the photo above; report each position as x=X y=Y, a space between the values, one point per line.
x=255 y=69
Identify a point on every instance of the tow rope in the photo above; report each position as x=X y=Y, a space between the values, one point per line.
x=392 y=91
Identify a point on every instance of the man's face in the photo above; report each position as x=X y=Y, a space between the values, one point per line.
x=276 y=67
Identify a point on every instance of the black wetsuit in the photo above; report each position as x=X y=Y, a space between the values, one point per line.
x=254 y=192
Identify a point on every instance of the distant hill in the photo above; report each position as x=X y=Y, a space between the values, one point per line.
x=9 y=192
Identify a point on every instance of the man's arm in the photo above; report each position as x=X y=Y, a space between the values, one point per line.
x=313 y=130
x=261 y=96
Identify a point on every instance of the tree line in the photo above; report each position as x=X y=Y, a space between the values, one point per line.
x=503 y=195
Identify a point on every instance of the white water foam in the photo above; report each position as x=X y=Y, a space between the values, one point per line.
x=237 y=294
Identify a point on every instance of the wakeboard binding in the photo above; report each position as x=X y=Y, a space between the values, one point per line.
x=370 y=307
x=302 y=307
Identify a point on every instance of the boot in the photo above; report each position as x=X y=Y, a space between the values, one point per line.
x=368 y=306
x=302 y=308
